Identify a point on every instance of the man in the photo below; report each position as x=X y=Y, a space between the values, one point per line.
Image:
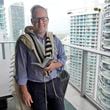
x=38 y=62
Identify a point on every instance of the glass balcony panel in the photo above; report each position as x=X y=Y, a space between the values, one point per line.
x=104 y=101
x=97 y=79
x=6 y=50
x=74 y=65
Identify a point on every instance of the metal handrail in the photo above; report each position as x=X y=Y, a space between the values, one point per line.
x=96 y=51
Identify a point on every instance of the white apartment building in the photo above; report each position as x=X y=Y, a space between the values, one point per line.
x=84 y=28
x=104 y=74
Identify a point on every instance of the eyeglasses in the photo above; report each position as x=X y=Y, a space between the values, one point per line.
x=44 y=19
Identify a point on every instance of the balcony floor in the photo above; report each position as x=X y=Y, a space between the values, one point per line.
x=77 y=101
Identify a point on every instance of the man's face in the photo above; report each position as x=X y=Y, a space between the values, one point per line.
x=40 y=21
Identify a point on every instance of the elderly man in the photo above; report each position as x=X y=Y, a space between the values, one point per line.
x=39 y=58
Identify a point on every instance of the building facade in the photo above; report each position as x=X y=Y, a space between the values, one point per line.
x=84 y=28
x=104 y=74
x=17 y=20
x=3 y=33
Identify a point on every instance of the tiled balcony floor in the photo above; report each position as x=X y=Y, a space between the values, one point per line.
x=77 y=101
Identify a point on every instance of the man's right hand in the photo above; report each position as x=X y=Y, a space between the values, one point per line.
x=26 y=97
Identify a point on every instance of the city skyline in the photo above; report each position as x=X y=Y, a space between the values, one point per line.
x=59 y=19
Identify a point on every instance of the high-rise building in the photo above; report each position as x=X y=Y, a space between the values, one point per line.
x=17 y=19
x=84 y=27
x=104 y=74
x=2 y=21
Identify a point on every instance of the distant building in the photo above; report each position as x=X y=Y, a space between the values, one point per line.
x=17 y=20
x=84 y=28
x=2 y=21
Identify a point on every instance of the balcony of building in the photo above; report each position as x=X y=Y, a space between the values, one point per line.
x=89 y=83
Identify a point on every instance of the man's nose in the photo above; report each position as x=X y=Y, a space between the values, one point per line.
x=40 y=20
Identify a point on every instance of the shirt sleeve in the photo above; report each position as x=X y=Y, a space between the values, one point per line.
x=20 y=63
x=61 y=57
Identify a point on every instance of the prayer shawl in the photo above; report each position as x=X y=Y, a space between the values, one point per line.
x=43 y=56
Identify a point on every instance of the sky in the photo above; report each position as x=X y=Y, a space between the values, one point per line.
x=57 y=9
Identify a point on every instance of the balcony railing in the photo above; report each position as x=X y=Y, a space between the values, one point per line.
x=87 y=73
x=6 y=49
x=87 y=78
